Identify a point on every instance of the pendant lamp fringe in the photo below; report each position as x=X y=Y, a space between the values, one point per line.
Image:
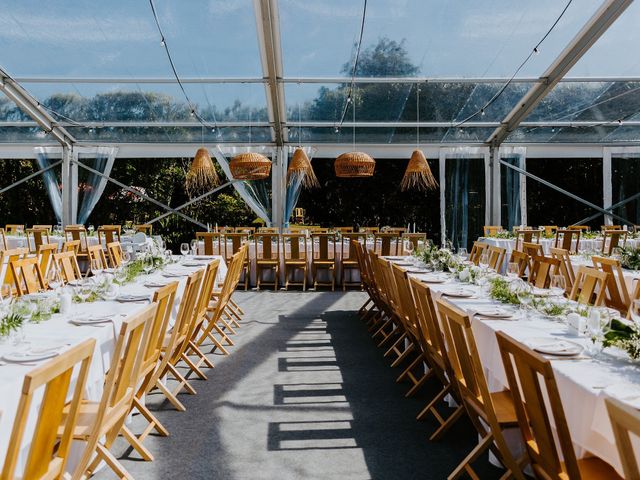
x=202 y=174
x=418 y=174
x=300 y=169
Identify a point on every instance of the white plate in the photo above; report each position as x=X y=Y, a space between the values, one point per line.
x=132 y=298
x=541 y=292
x=156 y=284
x=494 y=312
x=168 y=274
x=554 y=346
x=192 y=264
x=26 y=357
x=403 y=264
x=432 y=279
x=459 y=293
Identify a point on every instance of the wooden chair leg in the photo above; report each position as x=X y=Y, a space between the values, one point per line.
x=137 y=445
x=113 y=462
x=465 y=465
x=154 y=423
x=178 y=405
x=193 y=367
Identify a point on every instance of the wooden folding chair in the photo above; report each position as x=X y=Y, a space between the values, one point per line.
x=37 y=237
x=538 y=406
x=267 y=257
x=47 y=454
x=323 y=257
x=477 y=250
x=349 y=259
x=8 y=256
x=590 y=286
x=542 y=269
x=3 y=239
x=566 y=267
x=532 y=249
x=27 y=275
x=145 y=228
x=68 y=264
x=233 y=242
x=210 y=243
x=526 y=235
x=109 y=234
x=617 y=294
x=496 y=257
x=491 y=230
x=164 y=298
x=370 y=306
x=48 y=228
x=625 y=421
x=387 y=328
x=45 y=258
x=294 y=249
x=612 y=240
x=415 y=239
x=78 y=233
x=100 y=423
x=71 y=246
x=550 y=230
x=490 y=413
x=114 y=249
x=96 y=255
x=433 y=344
x=565 y=239
x=385 y=244
x=174 y=343
x=523 y=261
x=13 y=229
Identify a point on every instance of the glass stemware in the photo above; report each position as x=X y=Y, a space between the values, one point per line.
x=513 y=270
x=184 y=249
x=484 y=260
x=54 y=278
x=557 y=285
x=408 y=247
x=194 y=247
x=524 y=292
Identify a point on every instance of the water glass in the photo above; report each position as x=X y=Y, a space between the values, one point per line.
x=54 y=278
x=524 y=292
x=513 y=270
x=462 y=253
x=194 y=247
x=184 y=249
x=484 y=260
x=557 y=285
x=408 y=247
x=96 y=267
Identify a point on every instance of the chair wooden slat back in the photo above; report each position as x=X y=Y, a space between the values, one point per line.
x=294 y=246
x=590 y=286
x=532 y=249
x=120 y=384
x=406 y=304
x=384 y=281
x=211 y=243
x=96 y=254
x=542 y=269
x=625 y=422
x=389 y=284
x=369 y=230
x=343 y=229
x=146 y=228
x=566 y=267
x=8 y=256
x=48 y=228
x=37 y=237
x=109 y=234
x=491 y=230
x=522 y=259
x=114 y=249
x=271 y=230
x=415 y=239
x=3 y=240
x=612 y=240
x=347 y=248
x=71 y=245
x=28 y=276
x=617 y=295
x=477 y=250
x=13 y=229
x=265 y=243
x=68 y=264
x=77 y=233
x=202 y=303
x=496 y=257
x=47 y=453
x=323 y=247
x=45 y=258
x=565 y=239
x=527 y=373
x=386 y=244
x=527 y=235
x=580 y=228
x=550 y=230
x=236 y=240
x=247 y=230
x=610 y=227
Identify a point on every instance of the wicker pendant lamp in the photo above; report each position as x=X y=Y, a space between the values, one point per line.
x=354 y=164
x=418 y=174
x=250 y=165
x=202 y=174
x=300 y=167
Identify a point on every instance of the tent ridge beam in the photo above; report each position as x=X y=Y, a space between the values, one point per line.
x=595 y=27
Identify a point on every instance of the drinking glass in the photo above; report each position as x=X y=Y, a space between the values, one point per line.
x=110 y=291
x=557 y=285
x=54 y=279
x=484 y=260
x=408 y=247
x=184 y=249
x=462 y=253
x=513 y=270
x=147 y=264
x=524 y=293
x=96 y=267
x=194 y=247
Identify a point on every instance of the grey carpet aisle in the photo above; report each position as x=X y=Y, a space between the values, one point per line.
x=305 y=394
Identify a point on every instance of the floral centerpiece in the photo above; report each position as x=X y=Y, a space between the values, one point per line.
x=629 y=257
x=441 y=259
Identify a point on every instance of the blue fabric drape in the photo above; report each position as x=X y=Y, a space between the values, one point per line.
x=511 y=212
x=458 y=202
x=95 y=184
x=294 y=188
x=43 y=160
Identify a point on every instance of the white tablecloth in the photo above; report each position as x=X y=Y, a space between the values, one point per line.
x=580 y=382
x=59 y=332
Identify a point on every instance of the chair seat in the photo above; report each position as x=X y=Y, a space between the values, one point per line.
x=86 y=420
x=295 y=262
x=595 y=469
x=349 y=263
x=323 y=262
x=503 y=405
x=267 y=262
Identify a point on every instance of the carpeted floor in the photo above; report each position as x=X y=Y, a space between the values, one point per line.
x=305 y=394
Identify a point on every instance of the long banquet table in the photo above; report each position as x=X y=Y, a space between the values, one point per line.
x=59 y=332
x=583 y=383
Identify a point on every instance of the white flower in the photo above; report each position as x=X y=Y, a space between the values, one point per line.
x=464 y=274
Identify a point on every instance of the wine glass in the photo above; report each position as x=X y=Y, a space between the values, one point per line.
x=194 y=247
x=96 y=267
x=54 y=278
x=513 y=270
x=484 y=260
x=408 y=247
x=524 y=292
x=184 y=249
x=462 y=253
x=126 y=257
x=110 y=291
x=147 y=265
x=557 y=285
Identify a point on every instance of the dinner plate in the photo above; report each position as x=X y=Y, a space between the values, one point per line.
x=129 y=297
x=541 y=292
x=432 y=279
x=403 y=264
x=90 y=320
x=156 y=284
x=31 y=356
x=174 y=274
x=555 y=346
x=494 y=312
x=458 y=293
x=416 y=270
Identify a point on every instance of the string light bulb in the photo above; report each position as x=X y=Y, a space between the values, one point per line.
x=620 y=121
x=535 y=50
x=193 y=113
x=162 y=44
x=482 y=112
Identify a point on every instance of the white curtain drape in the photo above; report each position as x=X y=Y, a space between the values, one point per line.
x=255 y=193
x=295 y=187
x=515 y=187
x=100 y=159
x=45 y=156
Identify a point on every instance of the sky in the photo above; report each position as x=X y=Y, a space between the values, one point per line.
x=217 y=38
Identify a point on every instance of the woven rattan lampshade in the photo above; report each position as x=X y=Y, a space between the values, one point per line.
x=418 y=173
x=202 y=174
x=250 y=166
x=300 y=167
x=354 y=165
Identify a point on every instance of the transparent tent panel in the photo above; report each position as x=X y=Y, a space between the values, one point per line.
x=609 y=133
x=82 y=38
x=33 y=135
x=429 y=37
x=390 y=135
x=196 y=134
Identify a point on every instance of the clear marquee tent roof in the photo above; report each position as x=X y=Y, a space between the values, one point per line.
x=279 y=71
